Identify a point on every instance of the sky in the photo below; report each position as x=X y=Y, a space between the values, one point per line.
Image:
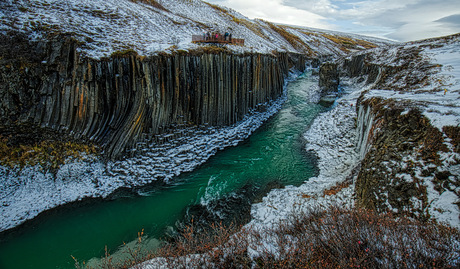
x=400 y=20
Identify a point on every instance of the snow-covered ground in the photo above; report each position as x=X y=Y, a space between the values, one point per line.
x=106 y=26
x=333 y=136
x=110 y=25
x=438 y=98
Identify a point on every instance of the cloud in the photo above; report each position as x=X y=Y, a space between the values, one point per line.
x=401 y=20
x=322 y=7
x=452 y=20
x=417 y=20
x=275 y=11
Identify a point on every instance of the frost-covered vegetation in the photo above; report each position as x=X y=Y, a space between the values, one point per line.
x=422 y=76
x=322 y=238
x=109 y=28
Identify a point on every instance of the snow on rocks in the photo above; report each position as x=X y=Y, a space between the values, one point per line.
x=425 y=76
x=439 y=95
x=332 y=137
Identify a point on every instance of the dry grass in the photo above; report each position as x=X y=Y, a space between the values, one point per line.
x=251 y=26
x=347 y=44
x=338 y=238
x=123 y=53
x=337 y=188
x=453 y=132
x=218 y=8
x=292 y=39
x=152 y=3
x=48 y=154
x=332 y=238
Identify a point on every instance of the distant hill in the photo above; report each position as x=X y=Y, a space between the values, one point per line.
x=148 y=27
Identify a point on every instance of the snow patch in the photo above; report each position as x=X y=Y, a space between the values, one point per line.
x=332 y=137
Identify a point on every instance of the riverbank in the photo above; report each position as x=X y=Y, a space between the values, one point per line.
x=389 y=86
x=399 y=120
x=329 y=200
x=273 y=154
x=29 y=191
x=98 y=80
x=332 y=138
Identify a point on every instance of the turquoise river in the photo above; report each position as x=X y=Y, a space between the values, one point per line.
x=273 y=156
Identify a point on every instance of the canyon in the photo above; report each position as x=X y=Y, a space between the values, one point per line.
x=92 y=110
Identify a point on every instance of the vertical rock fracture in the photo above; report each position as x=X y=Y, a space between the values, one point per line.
x=117 y=101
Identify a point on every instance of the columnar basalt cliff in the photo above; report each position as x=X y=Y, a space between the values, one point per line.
x=118 y=101
x=328 y=78
x=407 y=130
x=77 y=80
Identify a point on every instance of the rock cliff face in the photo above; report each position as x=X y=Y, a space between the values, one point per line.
x=72 y=82
x=383 y=183
x=408 y=132
x=328 y=78
x=118 y=101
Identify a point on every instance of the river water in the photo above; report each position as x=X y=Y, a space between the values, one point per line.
x=273 y=156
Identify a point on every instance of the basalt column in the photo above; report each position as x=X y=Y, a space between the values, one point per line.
x=116 y=101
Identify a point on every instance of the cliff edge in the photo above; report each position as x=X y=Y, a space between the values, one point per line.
x=409 y=128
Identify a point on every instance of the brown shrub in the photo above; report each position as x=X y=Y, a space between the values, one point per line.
x=340 y=238
x=453 y=132
x=331 y=238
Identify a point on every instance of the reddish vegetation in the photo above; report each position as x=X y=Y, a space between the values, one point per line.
x=332 y=238
x=335 y=189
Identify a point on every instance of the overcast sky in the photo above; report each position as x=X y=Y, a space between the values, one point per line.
x=402 y=20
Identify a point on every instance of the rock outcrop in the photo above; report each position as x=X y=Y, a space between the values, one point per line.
x=328 y=78
x=408 y=130
x=119 y=101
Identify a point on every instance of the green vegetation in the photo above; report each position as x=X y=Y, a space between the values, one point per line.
x=206 y=49
x=329 y=238
x=123 y=53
